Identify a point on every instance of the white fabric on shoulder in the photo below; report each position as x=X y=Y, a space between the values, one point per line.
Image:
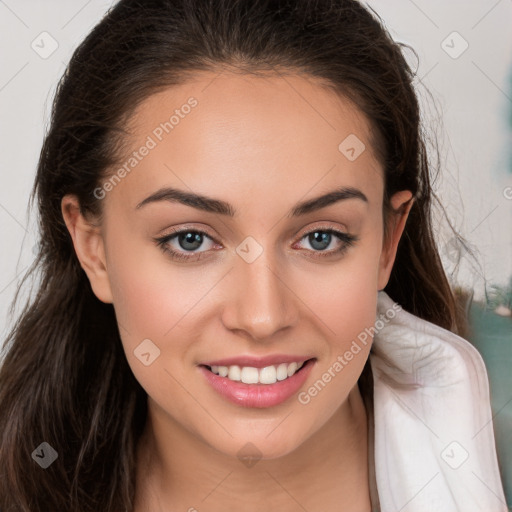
x=434 y=440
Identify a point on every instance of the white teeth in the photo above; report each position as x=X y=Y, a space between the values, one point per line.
x=282 y=371
x=292 y=368
x=268 y=375
x=234 y=373
x=251 y=375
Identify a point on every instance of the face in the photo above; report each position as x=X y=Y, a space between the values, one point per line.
x=249 y=263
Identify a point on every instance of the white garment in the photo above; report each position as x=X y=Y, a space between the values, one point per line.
x=434 y=448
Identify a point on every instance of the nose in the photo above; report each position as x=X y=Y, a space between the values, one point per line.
x=260 y=301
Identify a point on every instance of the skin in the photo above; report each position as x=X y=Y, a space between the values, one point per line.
x=262 y=144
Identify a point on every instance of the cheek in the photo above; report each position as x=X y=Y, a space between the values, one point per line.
x=154 y=306
x=349 y=315
x=346 y=298
x=346 y=304
x=151 y=297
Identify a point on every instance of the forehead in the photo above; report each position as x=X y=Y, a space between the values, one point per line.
x=228 y=131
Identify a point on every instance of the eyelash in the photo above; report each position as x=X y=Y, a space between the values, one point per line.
x=347 y=239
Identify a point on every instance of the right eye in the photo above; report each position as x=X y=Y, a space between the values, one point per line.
x=187 y=240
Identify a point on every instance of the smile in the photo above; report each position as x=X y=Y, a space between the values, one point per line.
x=249 y=386
x=251 y=375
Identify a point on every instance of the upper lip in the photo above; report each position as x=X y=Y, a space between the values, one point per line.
x=257 y=362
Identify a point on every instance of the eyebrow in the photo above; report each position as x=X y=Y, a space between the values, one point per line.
x=218 y=206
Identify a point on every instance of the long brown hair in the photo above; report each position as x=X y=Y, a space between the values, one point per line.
x=65 y=379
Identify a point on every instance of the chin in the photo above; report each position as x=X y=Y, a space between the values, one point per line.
x=251 y=449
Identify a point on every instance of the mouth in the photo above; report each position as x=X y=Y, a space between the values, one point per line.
x=249 y=386
x=266 y=375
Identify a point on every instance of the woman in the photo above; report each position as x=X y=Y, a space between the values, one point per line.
x=309 y=329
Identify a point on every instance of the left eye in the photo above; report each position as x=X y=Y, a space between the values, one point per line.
x=320 y=239
x=191 y=240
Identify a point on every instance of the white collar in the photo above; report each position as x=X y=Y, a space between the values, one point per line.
x=434 y=440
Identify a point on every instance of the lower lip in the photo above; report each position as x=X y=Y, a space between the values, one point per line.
x=258 y=395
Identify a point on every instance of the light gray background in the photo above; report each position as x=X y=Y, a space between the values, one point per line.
x=473 y=97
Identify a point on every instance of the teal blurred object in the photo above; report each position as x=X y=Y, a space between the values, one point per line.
x=491 y=334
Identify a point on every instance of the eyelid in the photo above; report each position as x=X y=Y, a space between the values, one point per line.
x=322 y=226
x=185 y=229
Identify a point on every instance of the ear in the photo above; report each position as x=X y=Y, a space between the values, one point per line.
x=402 y=202
x=89 y=247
